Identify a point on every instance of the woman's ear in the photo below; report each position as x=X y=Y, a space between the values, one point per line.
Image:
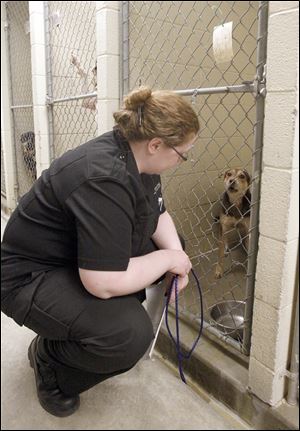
x=154 y=145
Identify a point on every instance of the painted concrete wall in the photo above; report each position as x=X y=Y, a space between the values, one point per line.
x=108 y=44
x=39 y=84
x=279 y=214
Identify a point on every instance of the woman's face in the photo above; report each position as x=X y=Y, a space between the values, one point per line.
x=166 y=157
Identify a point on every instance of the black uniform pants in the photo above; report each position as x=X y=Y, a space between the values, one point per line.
x=86 y=339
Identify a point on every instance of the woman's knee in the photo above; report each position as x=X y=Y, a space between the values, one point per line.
x=140 y=335
x=134 y=337
x=122 y=338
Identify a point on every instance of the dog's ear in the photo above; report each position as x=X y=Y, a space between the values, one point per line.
x=247 y=176
x=223 y=174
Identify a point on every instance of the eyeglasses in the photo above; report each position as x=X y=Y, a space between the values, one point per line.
x=184 y=155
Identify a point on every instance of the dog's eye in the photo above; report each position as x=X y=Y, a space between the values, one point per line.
x=229 y=174
x=242 y=176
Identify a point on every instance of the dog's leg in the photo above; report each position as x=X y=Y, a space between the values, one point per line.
x=246 y=233
x=220 y=264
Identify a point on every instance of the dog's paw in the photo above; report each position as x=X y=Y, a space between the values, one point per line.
x=218 y=272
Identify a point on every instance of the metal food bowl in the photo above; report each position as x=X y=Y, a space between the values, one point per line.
x=228 y=317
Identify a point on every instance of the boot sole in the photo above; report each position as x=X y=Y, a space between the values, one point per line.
x=45 y=406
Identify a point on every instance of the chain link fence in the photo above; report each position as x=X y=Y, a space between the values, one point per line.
x=71 y=73
x=71 y=82
x=21 y=94
x=169 y=45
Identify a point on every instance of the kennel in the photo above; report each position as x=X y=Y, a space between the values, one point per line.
x=71 y=84
x=71 y=58
x=168 y=45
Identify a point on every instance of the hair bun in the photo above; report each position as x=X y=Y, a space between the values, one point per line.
x=137 y=98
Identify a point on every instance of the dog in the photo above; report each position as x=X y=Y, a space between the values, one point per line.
x=235 y=212
x=27 y=140
x=91 y=102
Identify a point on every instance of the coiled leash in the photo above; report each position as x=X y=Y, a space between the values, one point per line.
x=180 y=355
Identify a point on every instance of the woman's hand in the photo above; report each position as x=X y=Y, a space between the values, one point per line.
x=182 y=282
x=180 y=262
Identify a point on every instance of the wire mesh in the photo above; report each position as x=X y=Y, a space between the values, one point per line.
x=178 y=40
x=170 y=46
x=21 y=93
x=72 y=73
x=193 y=193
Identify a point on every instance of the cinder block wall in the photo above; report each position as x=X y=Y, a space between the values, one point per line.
x=39 y=84
x=107 y=33
x=279 y=214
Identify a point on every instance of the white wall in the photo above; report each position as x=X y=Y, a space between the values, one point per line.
x=279 y=214
x=39 y=84
x=107 y=31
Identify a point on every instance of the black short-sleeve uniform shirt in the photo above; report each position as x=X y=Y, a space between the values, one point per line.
x=90 y=209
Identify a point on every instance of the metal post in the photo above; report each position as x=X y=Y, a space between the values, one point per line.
x=70 y=98
x=257 y=162
x=49 y=80
x=124 y=63
x=244 y=88
x=11 y=180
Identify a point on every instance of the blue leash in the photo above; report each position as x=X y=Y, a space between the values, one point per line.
x=180 y=355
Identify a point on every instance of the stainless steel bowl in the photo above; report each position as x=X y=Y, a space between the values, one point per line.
x=228 y=317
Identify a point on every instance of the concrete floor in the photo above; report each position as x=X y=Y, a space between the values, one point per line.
x=149 y=397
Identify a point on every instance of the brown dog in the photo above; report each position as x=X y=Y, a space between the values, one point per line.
x=235 y=213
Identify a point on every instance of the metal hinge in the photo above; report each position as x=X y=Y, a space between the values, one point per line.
x=49 y=100
x=289 y=375
x=260 y=89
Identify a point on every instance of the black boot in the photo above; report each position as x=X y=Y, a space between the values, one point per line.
x=50 y=396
